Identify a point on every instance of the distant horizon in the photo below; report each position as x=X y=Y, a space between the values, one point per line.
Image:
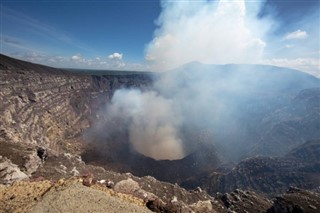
x=157 y=72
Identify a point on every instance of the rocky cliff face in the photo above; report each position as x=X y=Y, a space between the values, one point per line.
x=290 y=126
x=45 y=106
x=270 y=175
x=44 y=111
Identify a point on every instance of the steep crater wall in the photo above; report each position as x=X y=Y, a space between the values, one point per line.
x=46 y=106
x=53 y=109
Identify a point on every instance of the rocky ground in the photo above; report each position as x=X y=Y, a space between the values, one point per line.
x=65 y=196
x=83 y=194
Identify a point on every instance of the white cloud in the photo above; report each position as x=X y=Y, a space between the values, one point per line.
x=308 y=65
x=76 y=57
x=296 y=35
x=79 y=61
x=206 y=31
x=116 y=56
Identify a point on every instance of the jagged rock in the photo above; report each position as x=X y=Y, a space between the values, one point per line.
x=245 y=201
x=110 y=184
x=88 y=180
x=271 y=175
x=128 y=186
x=159 y=206
x=10 y=172
x=296 y=200
x=202 y=206
x=312 y=207
x=33 y=161
x=156 y=205
x=281 y=205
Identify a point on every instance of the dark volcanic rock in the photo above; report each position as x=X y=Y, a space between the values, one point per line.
x=245 y=201
x=290 y=126
x=271 y=175
x=309 y=151
x=296 y=200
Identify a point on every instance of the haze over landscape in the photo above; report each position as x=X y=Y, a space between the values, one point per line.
x=164 y=106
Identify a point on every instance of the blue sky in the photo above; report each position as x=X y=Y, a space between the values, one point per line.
x=160 y=35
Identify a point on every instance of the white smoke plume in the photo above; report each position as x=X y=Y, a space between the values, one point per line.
x=212 y=32
x=152 y=123
x=201 y=31
x=198 y=106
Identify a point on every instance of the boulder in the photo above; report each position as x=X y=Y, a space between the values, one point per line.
x=10 y=172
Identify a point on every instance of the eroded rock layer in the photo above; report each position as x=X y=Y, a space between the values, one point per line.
x=45 y=106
